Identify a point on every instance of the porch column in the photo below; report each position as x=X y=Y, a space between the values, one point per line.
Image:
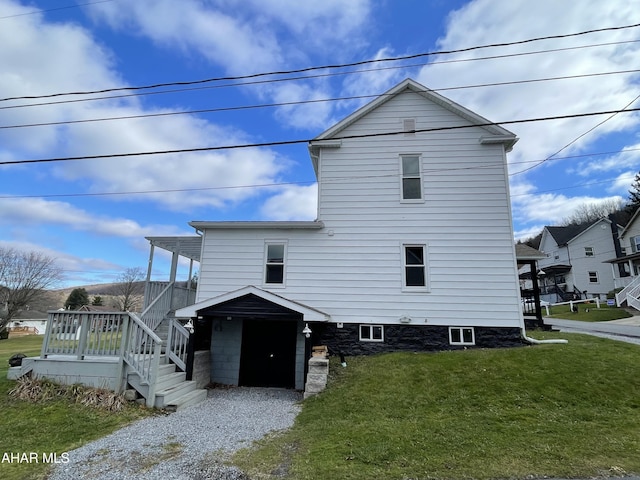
x=174 y=270
x=146 y=285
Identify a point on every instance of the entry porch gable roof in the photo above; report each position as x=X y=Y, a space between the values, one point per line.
x=309 y=314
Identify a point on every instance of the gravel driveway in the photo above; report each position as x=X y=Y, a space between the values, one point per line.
x=189 y=444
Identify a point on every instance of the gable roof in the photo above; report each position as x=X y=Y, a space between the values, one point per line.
x=310 y=314
x=564 y=235
x=497 y=133
x=630 y=222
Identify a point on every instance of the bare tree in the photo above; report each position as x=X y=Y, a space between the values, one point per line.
x=129 y=289
x=24 y=277
x=590 y=212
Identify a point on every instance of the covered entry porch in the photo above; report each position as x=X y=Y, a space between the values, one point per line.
x=255 y=337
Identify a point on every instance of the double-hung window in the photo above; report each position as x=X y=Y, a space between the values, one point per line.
x=411 y=173
x=588 y=251
x=414 y=266
x=593 y=277
x=274 y=265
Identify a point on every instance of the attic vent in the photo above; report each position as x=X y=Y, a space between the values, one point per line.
x=409 y=126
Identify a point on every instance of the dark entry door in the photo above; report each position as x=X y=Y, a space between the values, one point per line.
x=268 y=355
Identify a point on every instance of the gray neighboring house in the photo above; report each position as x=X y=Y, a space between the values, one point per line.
x=576 y=266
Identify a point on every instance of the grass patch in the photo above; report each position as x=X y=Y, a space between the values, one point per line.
x=602 y=314
x=55 y=425
x=561 y=411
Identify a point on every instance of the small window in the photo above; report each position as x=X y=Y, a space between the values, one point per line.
x=274 y=268
x=588 y=251
x=371 y=333
x=462 y=336
x=593 y=277
x=411 y=177
x=635 y=244
x=556 y=255
x=414 y=266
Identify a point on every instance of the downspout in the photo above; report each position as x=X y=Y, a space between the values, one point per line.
x=533 y=341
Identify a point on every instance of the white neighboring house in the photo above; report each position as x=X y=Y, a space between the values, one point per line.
x=412 y=248
x=626 y=265
x=576 y=263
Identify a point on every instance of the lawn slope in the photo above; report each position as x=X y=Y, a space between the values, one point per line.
x=556 y=410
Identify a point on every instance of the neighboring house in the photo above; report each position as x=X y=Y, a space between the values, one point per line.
x=28 y=322
x=412 y=249
x=575 y=267
x=529 y=274
x=626 y=265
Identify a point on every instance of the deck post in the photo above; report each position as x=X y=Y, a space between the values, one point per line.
x=124 y=345
x=174 y=270
x=147 y=300
x=155 y=365
x=47 y=335
x=84 y=333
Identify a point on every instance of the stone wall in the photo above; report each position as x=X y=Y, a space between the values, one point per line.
x=398 y=338
x=202 y=368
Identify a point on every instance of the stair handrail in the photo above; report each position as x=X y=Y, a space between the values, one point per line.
x=627 y=291
x=178 y=344
x=141 y=351
x=153 y=316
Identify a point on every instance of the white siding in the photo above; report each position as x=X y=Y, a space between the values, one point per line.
x=352 y=269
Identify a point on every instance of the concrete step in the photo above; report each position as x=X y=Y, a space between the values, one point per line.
x=169 y=380
x=192 y=398
x=166 y=396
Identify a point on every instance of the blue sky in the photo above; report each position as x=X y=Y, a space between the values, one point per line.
x=85 y=213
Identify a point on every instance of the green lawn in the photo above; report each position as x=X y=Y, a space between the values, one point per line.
x=587 y=312
x=550 y=410
x=55 y=426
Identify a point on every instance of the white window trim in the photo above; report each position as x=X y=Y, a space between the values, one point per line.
x=427 y=273
x=371 y=326
x=589 y=252
x=284 y=264
x=420 y=176
x=597 y=276
x=462 y=342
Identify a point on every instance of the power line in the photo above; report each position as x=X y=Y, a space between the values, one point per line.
x=54 y=9
x=323 y=75
x=293 y=142
x=578 y=138
x=324 y=67
x=305 y=102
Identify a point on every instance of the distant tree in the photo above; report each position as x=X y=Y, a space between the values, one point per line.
x=97 y=301
x=634 y=194
x=129 y=289
x=76 y=299
x=590 y=212
x=24 y=278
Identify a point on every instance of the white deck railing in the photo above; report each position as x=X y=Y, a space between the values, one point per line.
x=84 y=333
x=178 y=344
x=630 y=294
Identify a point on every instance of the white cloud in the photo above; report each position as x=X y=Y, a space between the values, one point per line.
x=38 y=212
x=292 y=203
x=262 y=36
x=480 y=22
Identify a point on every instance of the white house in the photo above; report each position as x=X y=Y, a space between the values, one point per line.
x=626 y=265
x=575 y=264
x=412 y=249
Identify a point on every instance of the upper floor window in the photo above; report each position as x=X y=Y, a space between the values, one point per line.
x=593 y=277
x=588 y=251
x=411 y=177
x=274 y=268
x=635 y=244
x=415 y=266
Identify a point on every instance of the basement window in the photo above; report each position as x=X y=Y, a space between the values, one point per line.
x=371 y=333
x=462 y=336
